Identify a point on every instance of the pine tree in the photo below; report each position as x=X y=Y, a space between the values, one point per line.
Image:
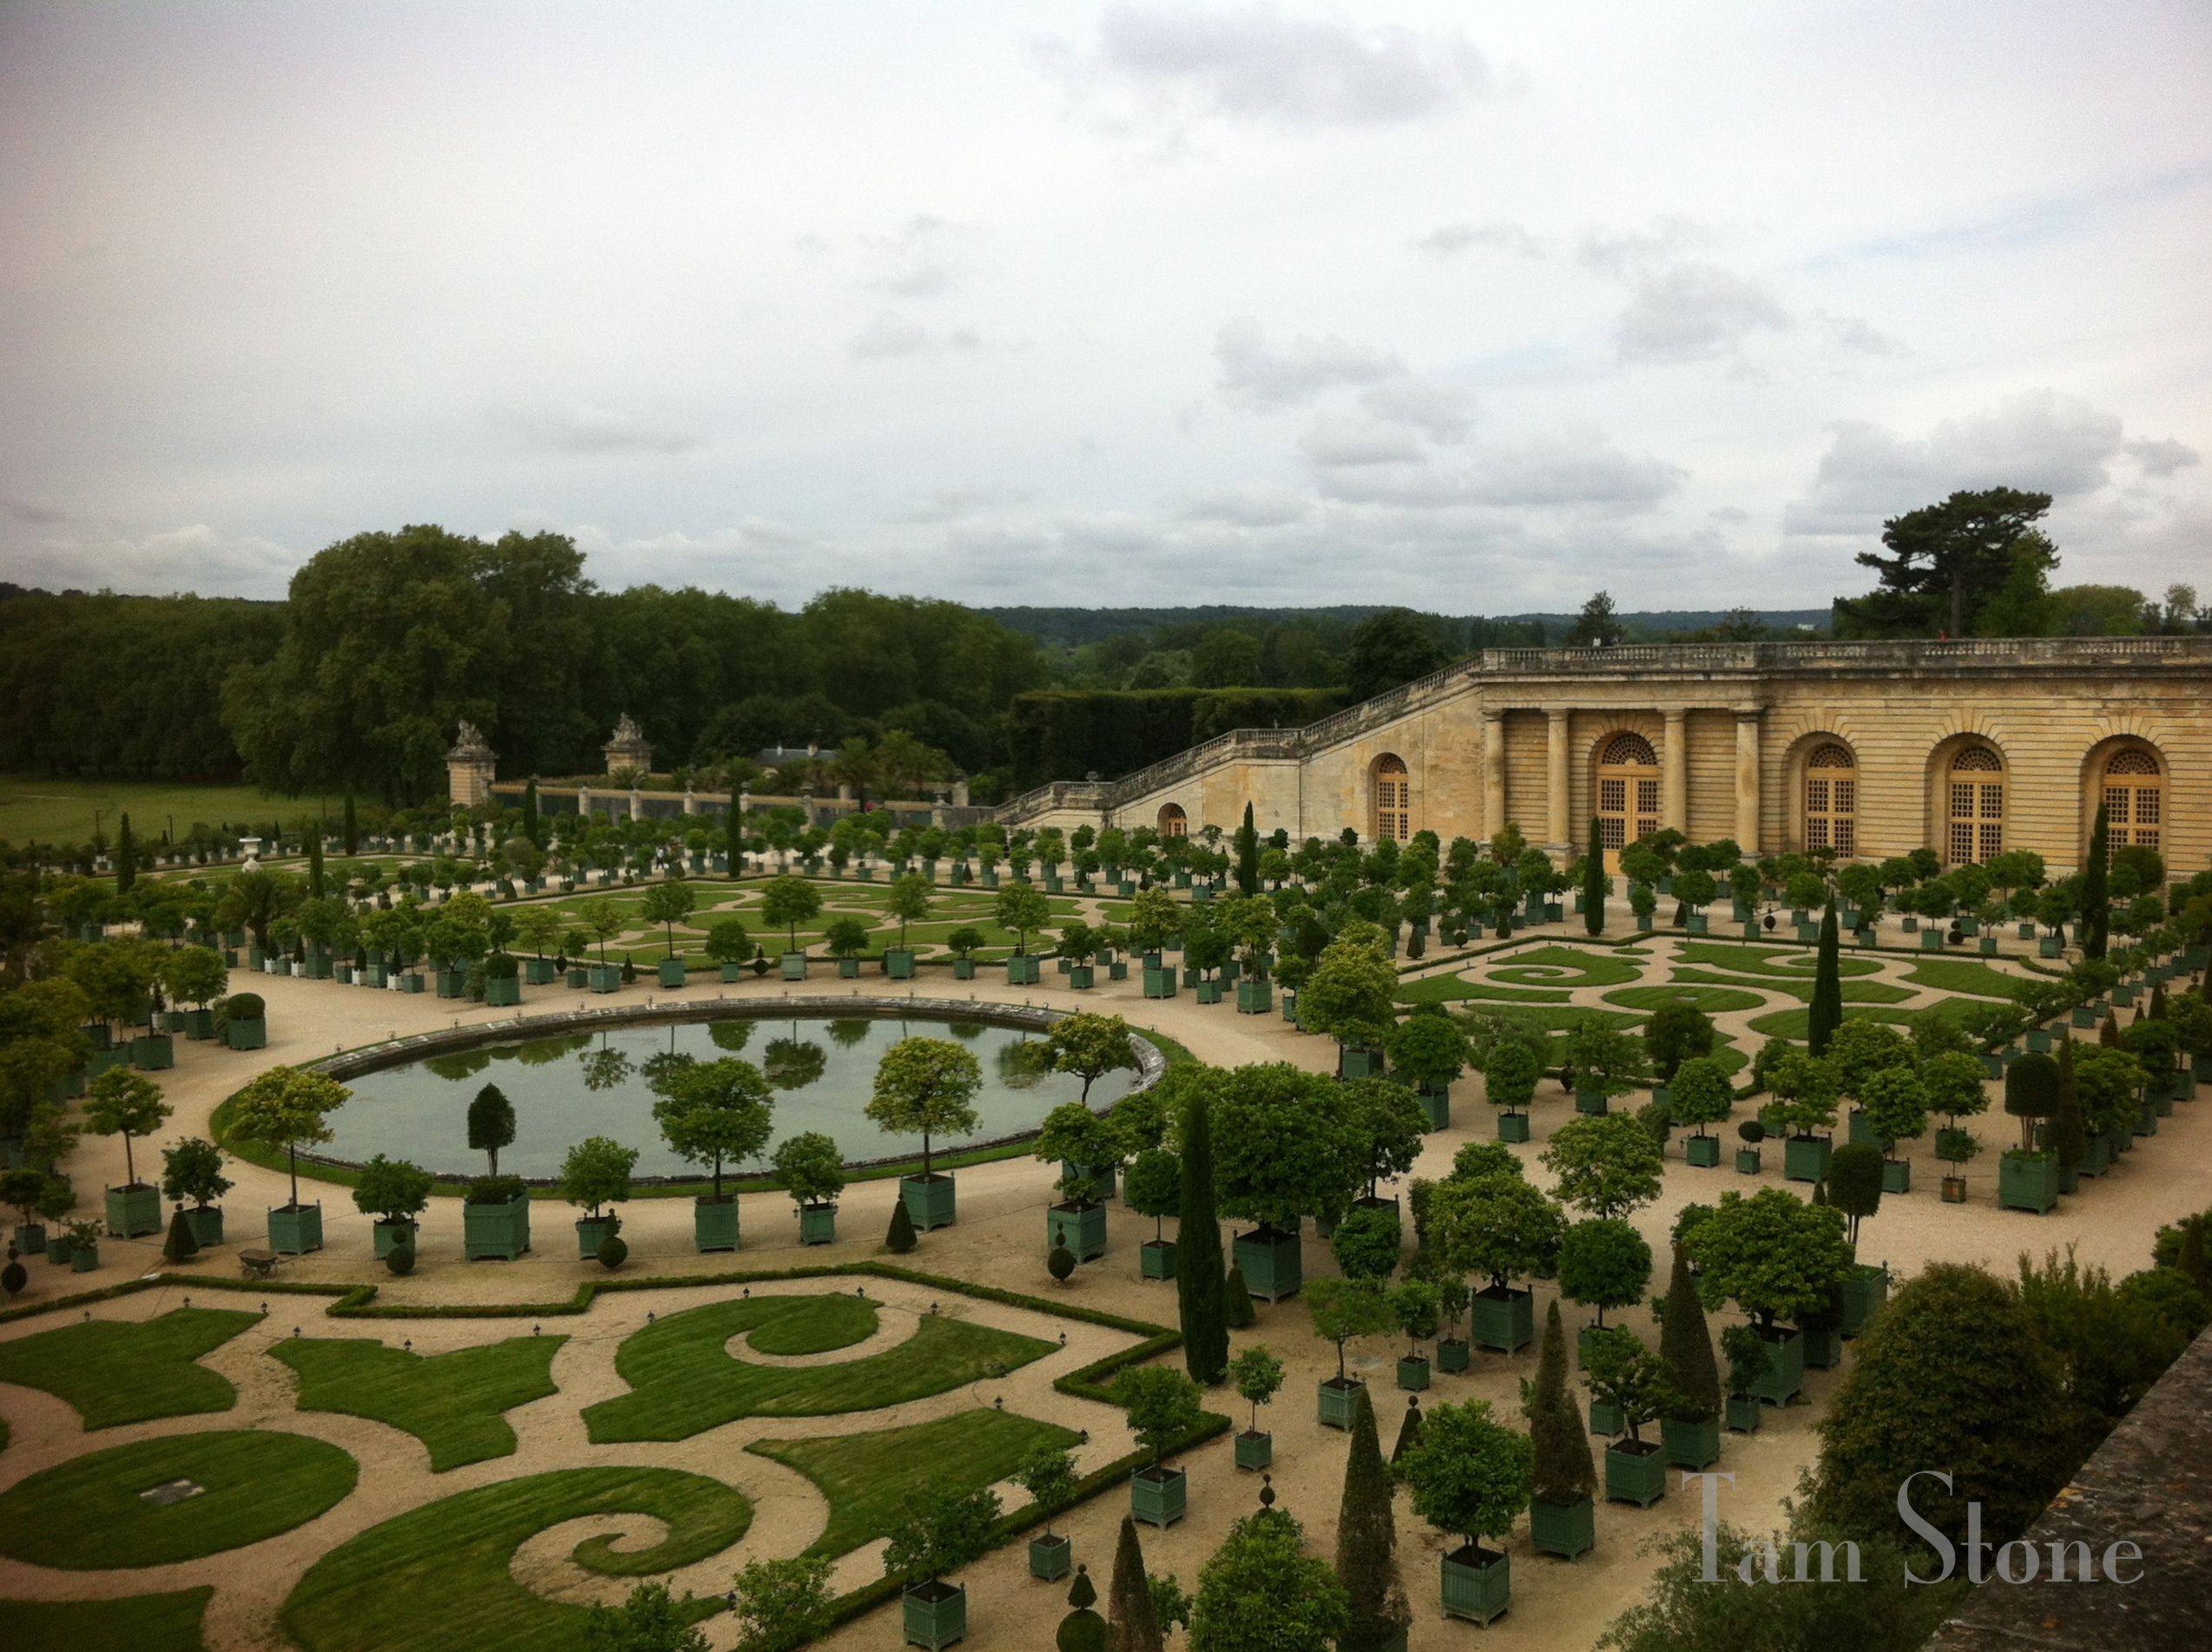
x=1594 y=881
x=1247 y=856
x=1409 y=1431
x=901 y=1238
x=1367 y=1543
x=126 y=857
x=1686 y=1347
x=352 y=827
x=1131 y=1624
x=2096 y=926
x=1198 y=1250
x=1237 y=1312
x=315 y=860
x=1827 y=1013
x=1565 y=1471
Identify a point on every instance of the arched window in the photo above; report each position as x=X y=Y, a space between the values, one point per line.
x=1831 y=798
x=1393 y=801
x=2133 y=794
x=1173 y=823
x=1975 y=819
x=1627 y=790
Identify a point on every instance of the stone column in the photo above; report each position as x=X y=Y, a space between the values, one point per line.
x=1493 y=772
x=1746 y=778
x=1674 y=772
x=1558 y=829
x=583 y=804
x=636 y=803
x=690 y=800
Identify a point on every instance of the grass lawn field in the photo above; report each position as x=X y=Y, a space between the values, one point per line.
x=438 y=1578
x=133 y=1623
x=88 y=1514
x=1853 y=992
x=454 y=1402
x=1565 y=966
x=872 y=1480
x=1450 y=988
x=1966 y=976
x=115 y=1371
x=1795 y=963
x=1713 y=1000
x=682 y=1380
x=35 y=809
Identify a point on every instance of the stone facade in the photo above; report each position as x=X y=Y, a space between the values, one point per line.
x=1876 y=748
x=469 y=767
x=628 y=749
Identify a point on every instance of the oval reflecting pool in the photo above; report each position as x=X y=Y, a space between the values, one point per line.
x=577 y=1084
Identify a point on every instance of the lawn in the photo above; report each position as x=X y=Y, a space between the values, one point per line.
x=1713 y=1000
x=872 y=1480
x=130 y=1623
x=454 y=1402
x=35 y=809
x=1565 y=966
x=438 y=1576
x=117 y=1371
x=1965 y=975
x=1796 y=1024
x=1853 y=992
x=682 y=1380
x=1452 y=989
x=1795 y=963
x=88 y=1514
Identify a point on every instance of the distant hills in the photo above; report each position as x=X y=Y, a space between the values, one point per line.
x=1073 y=627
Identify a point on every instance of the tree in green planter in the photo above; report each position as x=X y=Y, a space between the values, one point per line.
x=1074 y=1136
x=1854 y=1186
x=1897 y=1106
x=194 y=975
x=1686 y=1348
x=716 y=1110
x=1827 y=1012
x=1200 y=1290
x=669 y=903
x=728 y=942
x=1861 y=1049
x=1366 y=1544
x=1952 y=1080
x=1048 y=1474
x=1774 y=1255
x=1624 y=1374
x=192 y=1170
x=926 y=1087
x=1603 y=1263
x=844 y=937
x=1162 y=1407
x=1286 y=1145
x=128 y=1104
x=392 y=1190
x=1595 y=881
x=1804 y=1090
x=1091 y=1046
x=1350 y=996
x=1154 y=916
x=2032 y=1093
x=1262 y=1592
x=1344 y=1309
x=790 y=901
x=1509 y=1074
x=1366 y=1242
x=1256 y=1375
x=1417 y=1305
x=1608 y=1164
x=1564 y=1470
x=1024 y=910
x=1470 y=1475
x=1606 y=1060
x=1700 y=1093
x=942 y=1531
x=491 y=1125
x=1676 y=1033
x=909 y=902
x=1499 y=1225
x=781 y=1603
x=810 y=1166
x=1386 y=1125
x=2110 y=1084
x=1428 y=1049
x=1153 y=1186
x=287 y=1107
x=595 y=1173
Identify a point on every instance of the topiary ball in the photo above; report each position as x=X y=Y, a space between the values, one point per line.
x=613 y=1252
x=1752 y=1131
x=400 y=1259
x=1060 y=1262
x=13 y=1279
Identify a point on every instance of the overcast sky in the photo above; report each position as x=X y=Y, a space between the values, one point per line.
x=1471 y=308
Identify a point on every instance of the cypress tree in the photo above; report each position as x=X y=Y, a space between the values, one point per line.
x=901 y=1238
x=733 y=839
x=352 y=827
x=1236 y=1301
x=1594 y=881
x=1686 y=1347
x=2158 y=1010
x=2095 y=928
x=533 y=826
x=182 y=1244
x=1132 y=1625
x=126 y=857
x=315 y=860
x=1409 y=1431
x=1198 y=1249
x=1367 y=1544
x=1564 y=1470
x=2068 y=1132
x=1826 y=1014
x=2108 y=1031
x=1247 y=856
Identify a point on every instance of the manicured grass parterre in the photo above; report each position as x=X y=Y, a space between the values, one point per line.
x=683 y=1381
x=116 y=1371
x=1712 y=1000
x=1791 y=961
x=1565 y=966
x=454 y=1402
x=1853 y=992
x=872 y=1480
x=438 y=1578
x=1966 y=976
x=1452 y=989
x=168 y=1622
x=89 y=1513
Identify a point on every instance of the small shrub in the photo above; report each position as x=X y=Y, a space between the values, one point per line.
x=1060 y=1262
x=12 y=1276
x=1236 y=1301
x=1752 y=1132
x=613 y=1252
x=901 y=1238
x=400 y=1259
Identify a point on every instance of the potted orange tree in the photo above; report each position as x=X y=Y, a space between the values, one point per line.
x=1470 y=1477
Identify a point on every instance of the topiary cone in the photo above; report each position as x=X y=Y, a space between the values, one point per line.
x=901 y=1238
x=1236 y=1301
x=1082 y=1630
x=181 y=1245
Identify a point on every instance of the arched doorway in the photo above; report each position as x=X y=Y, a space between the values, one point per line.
x=1831 y=798
x=1628 y=791
x=1393 y=800
x=2133 y=790
x=1173 y=822
x=1974 y=807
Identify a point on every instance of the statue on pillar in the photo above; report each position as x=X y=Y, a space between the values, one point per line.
x=469 y=766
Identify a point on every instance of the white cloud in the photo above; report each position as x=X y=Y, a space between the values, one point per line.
x=1444 y=413
x=1352 y=438
x=1579 y=470
x=922 y=259
x=1692 y=312
x=1255 y=373
x=1446 y=239
x=1625 y=253
x=892 y=335
x=2162 y=458
x=595 y=430
x=193 y=557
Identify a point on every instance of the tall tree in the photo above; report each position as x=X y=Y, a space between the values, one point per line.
x=1597 y=626
x=1390 y=646
x=2096 y=927
x=1198 y=1244
x=126 y=856
x=533 y=823
x=1594 y=880
x=1247 y=856
x=1826 y=1011
x=1132 y=1625
x=1686 y=1348
x=352 y=827
x=1957 y=554
x=315 y=860
x=1564 y=1470
x=1367 y=1544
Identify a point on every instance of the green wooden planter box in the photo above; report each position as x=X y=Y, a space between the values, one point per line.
x=1697 y=924
x=1413 y=1373
x=1865 y=1288
x=198 y=1024
x=2083 y=1016
x=1563 y=1529
x=500 y=1232
x=29 y=1239
x=1785 y=1373
x=59 y=1249
x=732 y=972
x=714 y=1227
x=502 y=993
x=1255 y=997
x=1703 y=1151
x=899 y=963
x=794 y=966
x=1118 y=970
x=2027 y=1183
x=1689 y=1446
x=929 y=1199
x=1859 y=1129
x=1083 y=977
x=1804 y=1158
x=2099 y=1158
x=538 y=971
x=134 y=1210
x=1356 y=1063
x=1156 y=1259
x=964 y=969
x=1255 y=1449
x=1897 y=1175
x=85 y=1258
x=1159 y=1497
x=1513 y=1127
x=296 y=1230
x=1637 y=1476
x=590 y=1230
x=579 y=976
x=1209 y=991
x=1931 y=940
x=606 y=977
x=1823 y=1348
x=1478 y=1585
x=1081 y=1228
x=1591 y=1102
x=1052 y=1558
x=206 y=1224
x=1436 y=1106
x=1505 y=1321
x=1272 y=1268
x=673 y=971
x=384 y=1237
x=452 y=984
x=1743 y=1413
x=1337 y=1404
x=818 y=1224
x=848 y=969
x=249 y=1034
x=1454 y=1355
x=152 y=1052
x=1022 y=970
x=935 y=1620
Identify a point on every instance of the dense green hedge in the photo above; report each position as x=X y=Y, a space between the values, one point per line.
x=1063 y=734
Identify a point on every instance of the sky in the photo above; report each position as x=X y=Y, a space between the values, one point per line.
x=1476 y=308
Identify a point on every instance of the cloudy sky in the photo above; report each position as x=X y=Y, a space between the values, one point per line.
x=1470 y=308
